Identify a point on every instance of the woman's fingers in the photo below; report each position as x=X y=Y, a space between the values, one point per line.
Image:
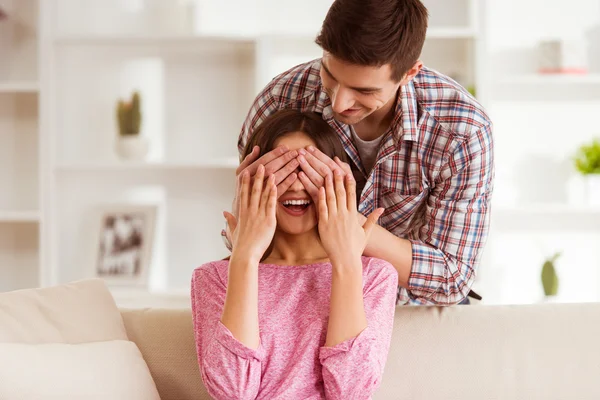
x=340 y=191
x=371 y=221
x=266 y=192
x=322 y=205
x=330 y=192
x=257 y=188
x=271 y=197
x=250 y=158
x=244 y=192
x=231 y=221
x=351 y=192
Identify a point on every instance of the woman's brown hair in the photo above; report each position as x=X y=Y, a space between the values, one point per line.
x=286 y=121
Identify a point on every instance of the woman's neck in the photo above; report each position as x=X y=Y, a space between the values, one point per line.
x=300 y=249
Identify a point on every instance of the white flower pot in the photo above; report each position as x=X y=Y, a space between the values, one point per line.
x=593 y=189
x=132 y=147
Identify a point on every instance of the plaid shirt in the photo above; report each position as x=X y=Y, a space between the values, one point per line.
x=433 y=175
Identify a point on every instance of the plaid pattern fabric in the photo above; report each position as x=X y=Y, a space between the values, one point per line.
x=433 y=175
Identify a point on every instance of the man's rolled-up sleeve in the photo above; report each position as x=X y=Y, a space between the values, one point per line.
x=449 y=244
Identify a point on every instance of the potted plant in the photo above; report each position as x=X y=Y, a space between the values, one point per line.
x=131 y=145
x=587 y=162
x=550 y=278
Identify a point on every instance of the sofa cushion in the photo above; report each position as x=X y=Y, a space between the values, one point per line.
x=68 y=341
x=102 y=370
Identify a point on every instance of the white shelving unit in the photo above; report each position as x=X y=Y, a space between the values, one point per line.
x=19 y=147
x=19 y=216
x=540 y=120
x=197 y=81
x=19 y=87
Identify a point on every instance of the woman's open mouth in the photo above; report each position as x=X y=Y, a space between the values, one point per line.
x=296 y=207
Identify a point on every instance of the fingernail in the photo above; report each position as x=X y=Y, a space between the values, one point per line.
x=294 y=153
x=302 y=159
x=302 y=151
x=311 y=149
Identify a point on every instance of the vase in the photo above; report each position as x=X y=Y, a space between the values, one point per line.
x=593 y=189
x=132 y=147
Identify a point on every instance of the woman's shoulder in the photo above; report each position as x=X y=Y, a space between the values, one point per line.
x=377 y=267
x=215 y=269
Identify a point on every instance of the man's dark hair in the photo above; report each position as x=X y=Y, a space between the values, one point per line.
x=375 y=33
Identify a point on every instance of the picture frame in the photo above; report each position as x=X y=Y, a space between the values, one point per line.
x=124 y=242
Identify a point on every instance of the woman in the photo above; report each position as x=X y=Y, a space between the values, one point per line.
x=296 y=312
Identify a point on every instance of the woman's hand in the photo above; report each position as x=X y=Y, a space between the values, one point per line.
x=254 y=229
x=343 y=237
x=279 y=162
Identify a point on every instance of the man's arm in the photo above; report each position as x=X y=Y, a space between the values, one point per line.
x=439 y=266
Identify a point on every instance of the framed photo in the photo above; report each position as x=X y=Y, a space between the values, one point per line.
x=124 y=243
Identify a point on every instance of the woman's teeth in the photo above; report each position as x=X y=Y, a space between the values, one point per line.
x=296 y=202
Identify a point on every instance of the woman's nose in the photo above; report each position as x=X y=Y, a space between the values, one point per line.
x=297 y=186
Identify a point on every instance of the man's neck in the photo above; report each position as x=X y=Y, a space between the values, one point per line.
x=376 y=124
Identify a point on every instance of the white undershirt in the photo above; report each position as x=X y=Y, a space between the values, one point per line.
x=367 y=150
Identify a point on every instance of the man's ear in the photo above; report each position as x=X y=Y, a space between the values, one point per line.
x=412 y=73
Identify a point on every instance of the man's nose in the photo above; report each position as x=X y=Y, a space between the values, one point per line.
x=342 y=100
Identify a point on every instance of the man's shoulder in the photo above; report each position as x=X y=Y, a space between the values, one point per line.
x=297 y=83
x=449 y=104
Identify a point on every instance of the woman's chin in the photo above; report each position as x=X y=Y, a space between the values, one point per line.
x=296 y=226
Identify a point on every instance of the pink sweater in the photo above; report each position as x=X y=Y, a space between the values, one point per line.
x=291 y=362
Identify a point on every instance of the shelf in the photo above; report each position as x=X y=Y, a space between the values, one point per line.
x=19 y=87
x=226 y=163
x=152 y=40
x=546 y=79
x=451 y=33
x=547 y=210
x=19 y=216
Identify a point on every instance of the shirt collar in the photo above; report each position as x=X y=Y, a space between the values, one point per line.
x=407 y=111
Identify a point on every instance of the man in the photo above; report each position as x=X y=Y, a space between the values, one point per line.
x=420 y=145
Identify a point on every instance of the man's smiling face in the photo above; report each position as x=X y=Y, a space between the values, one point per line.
x=357 y=91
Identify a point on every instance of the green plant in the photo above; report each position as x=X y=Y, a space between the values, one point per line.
x=129 y=116
x=587 y=160
x=471 y=89
x=549 y=276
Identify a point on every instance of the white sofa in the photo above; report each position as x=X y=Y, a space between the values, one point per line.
x=546 y=351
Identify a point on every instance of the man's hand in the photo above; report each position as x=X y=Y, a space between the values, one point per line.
x=279 y=162
x=316 y=166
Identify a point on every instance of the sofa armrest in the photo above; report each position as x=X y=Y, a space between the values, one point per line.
x=166 y=340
